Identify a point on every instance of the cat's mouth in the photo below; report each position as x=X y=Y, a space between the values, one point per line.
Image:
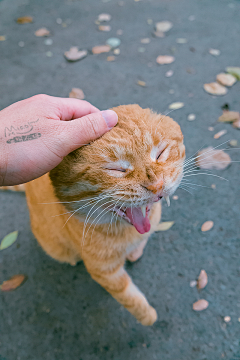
x=137 y=216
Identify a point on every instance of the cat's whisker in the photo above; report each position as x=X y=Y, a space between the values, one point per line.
x=208 y=175
x=186 y=183
x=181 y=187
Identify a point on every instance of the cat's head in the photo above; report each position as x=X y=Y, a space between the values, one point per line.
x=122 y=174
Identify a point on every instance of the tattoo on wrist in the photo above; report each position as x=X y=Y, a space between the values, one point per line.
x=19 y=132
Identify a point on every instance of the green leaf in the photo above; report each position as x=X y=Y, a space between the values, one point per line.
x=8 y=240
x=163 y=226
x=233 y=70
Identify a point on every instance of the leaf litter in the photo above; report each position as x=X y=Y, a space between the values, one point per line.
x=202 y=280
x=220 y=134
x=42 y=32
x=13 y=283
x=200 y=305
x=25 y=20
x=229 y=116
x=101 y=49
x=210 y=158
x=215 y=88
x=207 y=226
x=234 y=70
x=165 y=59
x=77 y=93
x=226 y=79
x=74 y=54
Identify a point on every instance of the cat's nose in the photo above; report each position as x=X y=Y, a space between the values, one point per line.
x=156 y=188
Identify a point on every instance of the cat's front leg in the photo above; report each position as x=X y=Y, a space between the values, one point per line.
x=119 y=284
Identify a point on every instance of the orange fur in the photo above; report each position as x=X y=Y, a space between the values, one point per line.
x=119 y=168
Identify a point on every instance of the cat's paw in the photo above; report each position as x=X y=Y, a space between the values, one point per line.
x=150 y=318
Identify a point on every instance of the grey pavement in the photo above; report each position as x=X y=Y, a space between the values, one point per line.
x=60 y=313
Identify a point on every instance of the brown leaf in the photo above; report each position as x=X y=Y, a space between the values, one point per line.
x=101 y=49
x=141 y=83
x=226 y=79
x=236 y=124
x=42 y=32
x=111 y=58
x=104 y=28
x=202 y=279
x=165 y=59
x=200 y=305
x=207 y=225
x=215 y=88
x=210 y=158
x=14 y=282
x=25 y=20
x=229 y=116
x=77 y=94
x=220 y=134
x=74 y=54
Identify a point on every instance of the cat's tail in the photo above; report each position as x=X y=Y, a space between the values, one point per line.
x=20 y=188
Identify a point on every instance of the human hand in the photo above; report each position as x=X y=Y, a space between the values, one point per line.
x=36 y=134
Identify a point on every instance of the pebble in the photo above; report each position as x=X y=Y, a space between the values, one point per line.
x=191 y=117
x=113 y=42
x=2 y=38
x=59 y=21
x=213 y=186
x=104 y=17
x=21 y=43
x=48 y=42
x=169 y=73
x=104 y=28
x=145 y=41
x=227 y=319
x=149 y=21
x=111 y=58
x=119 y=32
x=210 y=128
x=214 y=52
x=116 y=51
x=175 y=197
x=49 y=54
x=233 y=143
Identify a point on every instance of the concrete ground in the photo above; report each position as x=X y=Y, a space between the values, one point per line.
x=60 y=313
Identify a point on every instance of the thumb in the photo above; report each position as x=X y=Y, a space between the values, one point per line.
x=81 y=131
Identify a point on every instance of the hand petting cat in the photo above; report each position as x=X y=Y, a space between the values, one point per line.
x=36 y=134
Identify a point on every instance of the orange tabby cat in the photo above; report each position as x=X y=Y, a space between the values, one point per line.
x=103 y=201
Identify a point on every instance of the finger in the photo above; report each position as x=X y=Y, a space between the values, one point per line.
x=86 y=129
x=69 y=109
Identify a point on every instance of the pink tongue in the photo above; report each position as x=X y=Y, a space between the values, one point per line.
x=141 y=224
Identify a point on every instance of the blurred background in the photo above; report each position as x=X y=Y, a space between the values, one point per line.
x=60 y=313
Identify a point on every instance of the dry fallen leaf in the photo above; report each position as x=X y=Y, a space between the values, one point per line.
x=77 y=94
x=226 y=79
x=220 y=134
x=74 y=54
x=163 y=226
x=202 y=280
x=141 y=83
x=235 y=71
x=104 y=28
x=42 y=32
x=210 y=158
x=207 y=225
x=176 y=105
x=236 y=124
x=163 y=26
x=214 y=52
x=25 y=20
x=215 y=88
x=101 y=49
x=229 y=116
x=104 y=17
x=14 y=282
x=165 y=59
x=200 y=305
x=111 y=58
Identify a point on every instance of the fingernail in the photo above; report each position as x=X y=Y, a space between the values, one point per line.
x=110 y=117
